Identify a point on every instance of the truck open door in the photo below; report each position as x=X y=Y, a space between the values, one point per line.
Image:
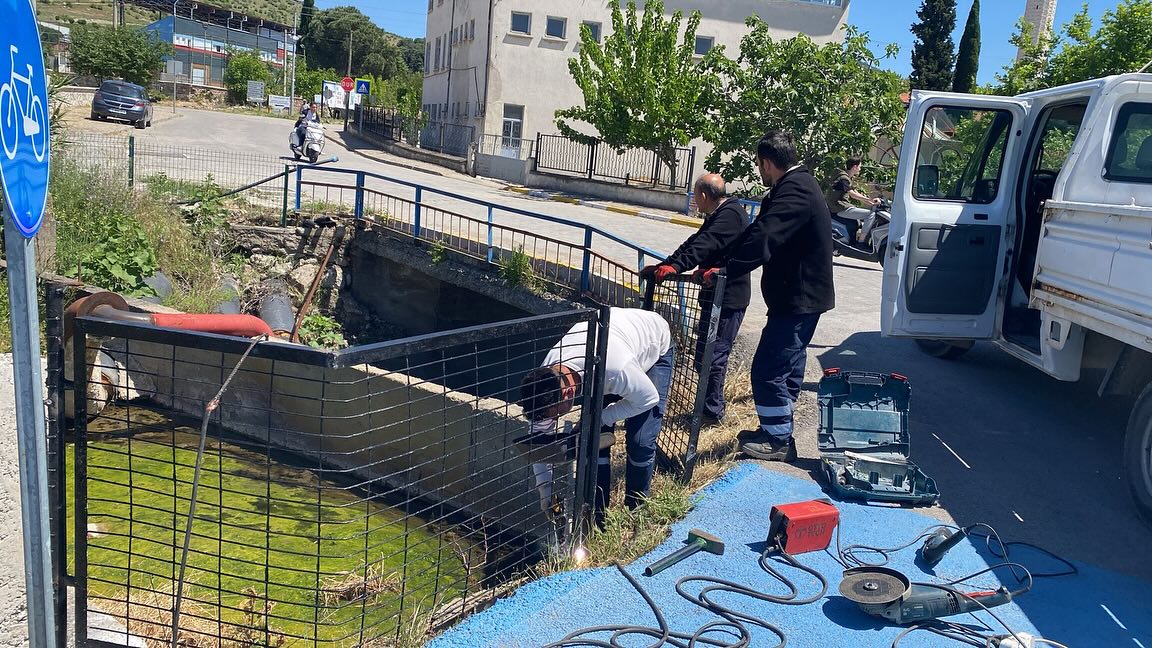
x=952 y=216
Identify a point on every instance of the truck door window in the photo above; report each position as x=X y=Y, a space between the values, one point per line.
x=1130 y=152
x=961 y=154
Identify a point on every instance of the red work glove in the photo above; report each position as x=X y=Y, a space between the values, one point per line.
x=705 y=276
x=658 y=272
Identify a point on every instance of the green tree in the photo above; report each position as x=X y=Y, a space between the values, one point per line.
x=105 y=52
x=242 y=68
x=642 y=87
x=968 y=58
x=331 y=31
x=1122 y=43
x=307 y=11
x=933 y=51
x=833 y=99
x=310 y=81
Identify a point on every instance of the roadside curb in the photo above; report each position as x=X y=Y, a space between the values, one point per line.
x=616 y=209
x=377 y=158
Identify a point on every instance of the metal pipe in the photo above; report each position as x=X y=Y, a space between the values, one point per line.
x=276 y=310
x=223 y=324
x=306 y=305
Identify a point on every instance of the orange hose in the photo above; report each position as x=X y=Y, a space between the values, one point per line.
x=223 y=324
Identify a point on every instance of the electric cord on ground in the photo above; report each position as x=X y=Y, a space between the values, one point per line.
x=849 y=556
x=210 y=407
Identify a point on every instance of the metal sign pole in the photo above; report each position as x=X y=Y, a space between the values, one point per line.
x=30 y=435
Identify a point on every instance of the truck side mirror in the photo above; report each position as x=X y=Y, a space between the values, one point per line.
x=927 y=180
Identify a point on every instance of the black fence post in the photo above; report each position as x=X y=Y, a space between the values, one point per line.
x=536 y=158
x=691 y=168
x=79 y=477
x=655 y=169
x=586 y=473
x=57 y=480
x=592 y=159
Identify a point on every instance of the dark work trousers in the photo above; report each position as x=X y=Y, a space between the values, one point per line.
x=640 y=435
x=778 y=370
x=726 y=330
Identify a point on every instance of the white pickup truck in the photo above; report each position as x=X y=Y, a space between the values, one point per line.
x=1027 y=221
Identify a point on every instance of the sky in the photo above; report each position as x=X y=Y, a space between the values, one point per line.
x=886 y=21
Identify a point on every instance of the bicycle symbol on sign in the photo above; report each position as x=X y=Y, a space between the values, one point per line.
x=22 y=115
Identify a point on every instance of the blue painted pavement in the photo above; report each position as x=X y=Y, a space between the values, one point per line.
x=1093 y=608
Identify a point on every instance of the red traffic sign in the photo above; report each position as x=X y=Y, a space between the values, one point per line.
x=347 y=84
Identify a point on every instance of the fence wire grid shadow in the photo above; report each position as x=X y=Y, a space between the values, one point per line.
x=360 y=497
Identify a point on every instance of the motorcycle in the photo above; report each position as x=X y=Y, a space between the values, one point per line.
x=866 y=240
x=312 y=145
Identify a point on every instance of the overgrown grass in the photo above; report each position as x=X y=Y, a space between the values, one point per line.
x=516 y=270
x=252 y=511
x=114 y=237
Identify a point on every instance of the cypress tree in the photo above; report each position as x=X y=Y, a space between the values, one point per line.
x=934 y=51
x=968 y=58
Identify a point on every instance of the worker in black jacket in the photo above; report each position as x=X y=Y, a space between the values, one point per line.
x=726 y=220
x=791 y=240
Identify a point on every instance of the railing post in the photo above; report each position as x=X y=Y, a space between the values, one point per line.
x=80 y=373
x=691 y=167
x=359 y=205
x=490 y=249
x=536 y=158
x=416 y=215
x=655 y=169
x=709 y=322
x=131 y=160
x=58 y=480
x=284 y=197
x=586 y=267
x=592 y=159
x=299 y=184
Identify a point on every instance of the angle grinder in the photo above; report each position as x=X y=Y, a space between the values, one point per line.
x=888 y=594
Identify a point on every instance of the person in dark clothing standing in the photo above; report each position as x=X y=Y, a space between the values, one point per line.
x=791 y=240
x=725 y=222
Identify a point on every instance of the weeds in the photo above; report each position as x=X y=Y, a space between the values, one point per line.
x=256 y=631
x=437 y=252
x=322 y=331
x=352 y=586
x=517 y=271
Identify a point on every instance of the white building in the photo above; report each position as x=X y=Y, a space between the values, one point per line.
x=501 y=66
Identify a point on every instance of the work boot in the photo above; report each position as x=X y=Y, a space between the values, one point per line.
x=768 y=448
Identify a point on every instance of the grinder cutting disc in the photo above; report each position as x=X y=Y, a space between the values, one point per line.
x=873 y=585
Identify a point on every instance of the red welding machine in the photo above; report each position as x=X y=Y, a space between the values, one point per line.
x=803 y=526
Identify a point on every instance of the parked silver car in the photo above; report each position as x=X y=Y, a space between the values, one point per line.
x=122 y=100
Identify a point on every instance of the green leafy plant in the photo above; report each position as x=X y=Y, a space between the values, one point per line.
x=106 y=52
x=438 y=252
x=242 y=68
x=321 y=331
x=516 y=270
x=122 y=260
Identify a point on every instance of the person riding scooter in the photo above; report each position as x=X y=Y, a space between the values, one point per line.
x=308 y=113
x=840 y=195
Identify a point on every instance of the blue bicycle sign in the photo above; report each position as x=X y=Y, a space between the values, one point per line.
x=24 y=138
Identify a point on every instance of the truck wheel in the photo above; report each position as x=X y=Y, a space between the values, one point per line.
x=945 y=350
x=1138 y=454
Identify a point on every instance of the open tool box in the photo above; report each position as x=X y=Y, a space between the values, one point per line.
x=863 y=439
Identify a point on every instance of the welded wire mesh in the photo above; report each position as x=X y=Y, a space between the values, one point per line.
x=181 y=171
x=692 y=318
x=365 y=496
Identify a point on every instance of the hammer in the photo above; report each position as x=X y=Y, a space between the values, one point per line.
x=697 y=541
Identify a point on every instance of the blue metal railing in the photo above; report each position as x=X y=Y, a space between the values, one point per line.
x=368 y=191
x=751 y=206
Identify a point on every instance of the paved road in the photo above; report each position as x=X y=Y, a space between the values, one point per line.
x=1036 y=458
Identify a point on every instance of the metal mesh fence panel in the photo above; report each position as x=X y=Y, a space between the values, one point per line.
x=692 y=317
x=365 y=496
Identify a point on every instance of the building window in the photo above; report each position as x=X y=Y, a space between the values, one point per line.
x=437 y=68
x=513 y=126
x=521 y=22
x=556 y=27
x=472 y=29
x=429 y=6
x=596 y=29
x=704 y=45
x=427 y=57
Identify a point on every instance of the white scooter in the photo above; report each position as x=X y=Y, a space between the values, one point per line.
x=312 y=145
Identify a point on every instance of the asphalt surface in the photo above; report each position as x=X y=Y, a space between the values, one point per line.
x=1038 y=459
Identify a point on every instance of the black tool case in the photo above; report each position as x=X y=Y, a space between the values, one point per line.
x=863 y=439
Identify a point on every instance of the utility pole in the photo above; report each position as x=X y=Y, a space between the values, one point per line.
x=348 y=94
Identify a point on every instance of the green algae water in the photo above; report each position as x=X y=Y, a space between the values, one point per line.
x=278 y=555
